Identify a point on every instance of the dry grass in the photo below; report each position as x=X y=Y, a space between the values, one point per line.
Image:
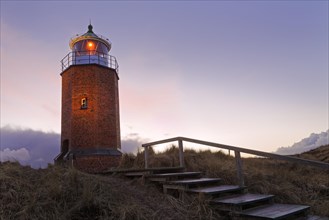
x=320 y=154
x=59 y=193
x=64 y=193
x=291 y=183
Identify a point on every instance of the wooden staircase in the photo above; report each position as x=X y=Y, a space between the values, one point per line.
x=231 y=200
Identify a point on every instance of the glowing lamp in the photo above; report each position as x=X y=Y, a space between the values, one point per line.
x=90 y=45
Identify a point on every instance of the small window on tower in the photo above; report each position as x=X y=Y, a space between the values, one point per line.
x=84 y=103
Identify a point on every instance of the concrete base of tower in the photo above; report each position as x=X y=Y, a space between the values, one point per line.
x=93 y=160
x=95 y=164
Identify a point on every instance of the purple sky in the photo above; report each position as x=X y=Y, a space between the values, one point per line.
x=246 y=73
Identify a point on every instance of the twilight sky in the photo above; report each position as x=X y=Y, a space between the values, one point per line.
x=246 y=73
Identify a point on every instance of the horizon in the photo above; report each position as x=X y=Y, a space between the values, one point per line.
x=248 y=74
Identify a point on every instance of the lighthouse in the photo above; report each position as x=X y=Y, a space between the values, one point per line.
x=90 y=136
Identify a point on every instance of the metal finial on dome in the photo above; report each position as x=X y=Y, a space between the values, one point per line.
x=90 y=28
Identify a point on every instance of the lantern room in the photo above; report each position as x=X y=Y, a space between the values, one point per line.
x=89 y=48
x=90 y=42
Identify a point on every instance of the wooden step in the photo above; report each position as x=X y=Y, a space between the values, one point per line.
x=158 y=170
x=242 y=199
x=216 y=189
x=150 y=170
x=314 y=217
x=169 y=176
x=136 y=174
x=199 y=181
x=183 y=185
x=238 y=202
x=275 y=211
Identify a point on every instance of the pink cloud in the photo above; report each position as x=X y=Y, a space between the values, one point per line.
x=21 y=155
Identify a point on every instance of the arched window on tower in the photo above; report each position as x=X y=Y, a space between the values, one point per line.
x=84 y=103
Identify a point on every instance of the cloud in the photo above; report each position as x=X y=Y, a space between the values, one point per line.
x=306 y=144
x=35 y=148
x=132 y=142
x=21 y=155
x=38 y=148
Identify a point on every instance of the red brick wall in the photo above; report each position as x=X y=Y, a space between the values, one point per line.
x=98 y=126
x=96 y=164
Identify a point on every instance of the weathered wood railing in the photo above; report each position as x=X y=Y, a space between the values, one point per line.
x=237 y=152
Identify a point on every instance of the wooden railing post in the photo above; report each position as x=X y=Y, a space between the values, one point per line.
x=239 y=168
x=146 y=156
x=181 y=153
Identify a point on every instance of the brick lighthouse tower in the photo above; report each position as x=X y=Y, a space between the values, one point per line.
x=90 y=138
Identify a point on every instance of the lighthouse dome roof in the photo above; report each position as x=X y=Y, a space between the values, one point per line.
x=90 y=35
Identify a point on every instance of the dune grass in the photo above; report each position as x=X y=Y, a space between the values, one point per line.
x=65 y=193
x=291 y=183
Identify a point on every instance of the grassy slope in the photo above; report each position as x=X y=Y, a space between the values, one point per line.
x=291 y=183
x=320 y=154
x=58 y=193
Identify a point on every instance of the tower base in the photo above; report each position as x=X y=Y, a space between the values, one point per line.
x=95 y=164
x=91 y=160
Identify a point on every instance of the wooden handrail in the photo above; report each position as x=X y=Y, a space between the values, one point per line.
x=237 y=151
x=243 y=150
x=161 y=142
